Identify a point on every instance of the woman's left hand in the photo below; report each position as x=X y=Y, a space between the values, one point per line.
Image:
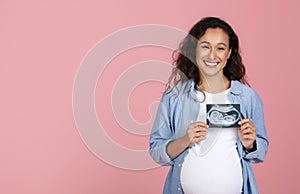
x=247 y=133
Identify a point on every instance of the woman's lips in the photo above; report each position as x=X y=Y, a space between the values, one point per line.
x=211 y=64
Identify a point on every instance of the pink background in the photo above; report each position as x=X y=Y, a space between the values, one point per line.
x=41 y=46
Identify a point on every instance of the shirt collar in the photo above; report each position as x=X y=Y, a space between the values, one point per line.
x=235 y=87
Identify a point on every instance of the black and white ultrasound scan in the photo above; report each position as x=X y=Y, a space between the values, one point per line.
x=223 y=115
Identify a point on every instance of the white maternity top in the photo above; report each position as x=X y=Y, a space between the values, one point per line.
x=213 y=165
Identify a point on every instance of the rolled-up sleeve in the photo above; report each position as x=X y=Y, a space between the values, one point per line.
x=262 y=143
x=162 y=133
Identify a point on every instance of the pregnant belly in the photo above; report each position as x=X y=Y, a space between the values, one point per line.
x=214 y=173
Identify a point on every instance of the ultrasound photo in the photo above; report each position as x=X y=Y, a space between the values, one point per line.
x=223 y=115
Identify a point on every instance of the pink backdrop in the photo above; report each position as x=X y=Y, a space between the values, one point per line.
x=42 y=44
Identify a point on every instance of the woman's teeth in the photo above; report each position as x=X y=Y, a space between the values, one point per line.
x=211 y=63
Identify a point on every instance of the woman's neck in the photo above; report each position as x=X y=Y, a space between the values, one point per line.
x=214 y=85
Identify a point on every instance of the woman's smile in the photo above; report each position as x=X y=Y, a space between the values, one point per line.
x=210 y=63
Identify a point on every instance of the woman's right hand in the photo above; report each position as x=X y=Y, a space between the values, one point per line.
x=196 y=132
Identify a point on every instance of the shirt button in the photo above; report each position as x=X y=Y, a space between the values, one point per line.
x=179 y=165
x=179 y=189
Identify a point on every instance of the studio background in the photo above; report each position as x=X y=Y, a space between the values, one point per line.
x=42 y=44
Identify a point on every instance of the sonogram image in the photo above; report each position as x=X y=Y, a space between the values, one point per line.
x=223 y=115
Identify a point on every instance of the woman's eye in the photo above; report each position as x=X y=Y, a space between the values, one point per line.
x=205 y=47
x=221 y=49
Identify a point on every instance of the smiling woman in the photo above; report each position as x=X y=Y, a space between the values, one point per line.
x=212 y=52
x=207 y=159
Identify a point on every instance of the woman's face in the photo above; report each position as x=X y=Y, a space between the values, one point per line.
x=212 y=52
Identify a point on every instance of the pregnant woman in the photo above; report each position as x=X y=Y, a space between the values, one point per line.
x=205 y=160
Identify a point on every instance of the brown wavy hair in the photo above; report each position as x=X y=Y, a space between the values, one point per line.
x=185 y=56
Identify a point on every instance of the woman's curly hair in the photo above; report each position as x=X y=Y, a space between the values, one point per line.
x=185 y=57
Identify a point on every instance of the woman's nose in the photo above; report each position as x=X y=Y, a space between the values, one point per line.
x=212 y=53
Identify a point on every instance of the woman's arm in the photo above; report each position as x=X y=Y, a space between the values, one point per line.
x=163 y=145
x=196 y=132
x=261 y=141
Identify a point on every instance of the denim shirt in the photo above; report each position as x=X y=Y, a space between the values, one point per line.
x=179 y=106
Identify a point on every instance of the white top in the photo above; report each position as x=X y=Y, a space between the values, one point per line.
x=213 y=165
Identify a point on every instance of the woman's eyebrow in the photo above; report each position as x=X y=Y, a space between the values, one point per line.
x=221 y=43
x=206 y=42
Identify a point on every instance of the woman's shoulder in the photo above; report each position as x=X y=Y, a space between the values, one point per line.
x=180 y=88
x=239 y=88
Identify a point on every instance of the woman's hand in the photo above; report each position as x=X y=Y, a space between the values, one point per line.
x=196 y=132
x=247 y=133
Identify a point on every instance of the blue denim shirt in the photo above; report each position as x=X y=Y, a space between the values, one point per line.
x=179 y=106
